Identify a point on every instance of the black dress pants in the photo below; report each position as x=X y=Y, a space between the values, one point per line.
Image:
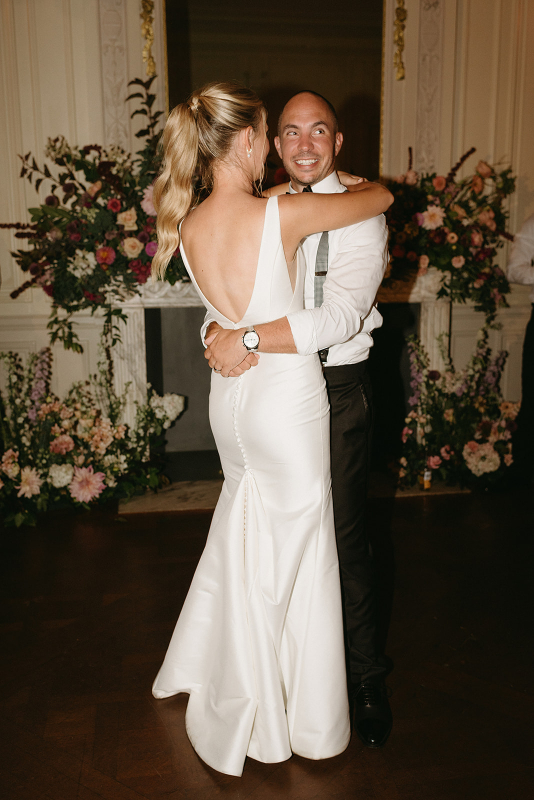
x=351 y=424
x=523 y=441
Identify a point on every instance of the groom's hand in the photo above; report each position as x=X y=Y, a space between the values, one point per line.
x=226 y=352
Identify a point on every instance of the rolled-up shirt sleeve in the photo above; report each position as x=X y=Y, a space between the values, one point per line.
x=354 y=275
x=520 y=269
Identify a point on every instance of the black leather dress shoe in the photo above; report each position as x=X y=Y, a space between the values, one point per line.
x=372 y=715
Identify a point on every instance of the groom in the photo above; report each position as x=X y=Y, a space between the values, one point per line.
x=344 y=270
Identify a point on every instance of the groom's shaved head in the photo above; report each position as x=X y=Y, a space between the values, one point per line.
x=328 y=104
x=308 y=138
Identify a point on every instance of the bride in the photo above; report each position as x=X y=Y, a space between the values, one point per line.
x=259 y=642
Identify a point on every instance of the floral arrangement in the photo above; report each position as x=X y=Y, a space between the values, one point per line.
x=459 y=426
x=93 y=239
x=456 y=226
x=73 y=452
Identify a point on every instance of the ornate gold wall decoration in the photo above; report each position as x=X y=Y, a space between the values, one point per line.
x=398 y=38
x=147 y=30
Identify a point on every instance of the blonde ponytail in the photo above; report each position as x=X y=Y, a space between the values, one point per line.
x=197 y=134
x=173 y=188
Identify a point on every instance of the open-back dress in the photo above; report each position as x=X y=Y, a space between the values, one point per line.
x=259 y=641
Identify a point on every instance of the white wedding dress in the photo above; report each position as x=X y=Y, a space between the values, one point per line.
x=259 y=642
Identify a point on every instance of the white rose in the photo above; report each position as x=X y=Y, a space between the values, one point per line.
x=132 y=247
x=128 y=219
x=60 y=475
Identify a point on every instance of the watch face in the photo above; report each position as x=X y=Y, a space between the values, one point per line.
x=251 y=340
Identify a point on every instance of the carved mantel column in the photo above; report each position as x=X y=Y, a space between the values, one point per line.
x=435 y=314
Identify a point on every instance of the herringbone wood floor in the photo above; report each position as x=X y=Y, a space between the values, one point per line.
x=89 y=604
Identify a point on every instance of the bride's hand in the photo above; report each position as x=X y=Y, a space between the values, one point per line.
x=349 y=180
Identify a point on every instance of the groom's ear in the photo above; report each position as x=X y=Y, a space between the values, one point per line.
x=278 y=146
x=339 y=142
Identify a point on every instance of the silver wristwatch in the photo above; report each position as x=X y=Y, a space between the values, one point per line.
x=251 y=340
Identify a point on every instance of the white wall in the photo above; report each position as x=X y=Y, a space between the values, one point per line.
x=469 y=82
x=64 y=65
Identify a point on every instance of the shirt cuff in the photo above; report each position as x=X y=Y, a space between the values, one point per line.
x=304 y=333
x=203 y=331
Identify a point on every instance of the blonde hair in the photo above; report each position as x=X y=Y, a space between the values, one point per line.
x=198 y=133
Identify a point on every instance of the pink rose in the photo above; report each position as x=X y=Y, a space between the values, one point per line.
x=472 y=446
x=411 y=177
x=147 y=203
x=458 y=261
x=486 y=218
x=151 y=248
x=62 y=445
x=476 y=238
x=439 y=183
x=114 y=204
x=446 y=452
x=433 y=462
x=477 y=184
x=405 y=433
x=105 y=255
x=484 y=169
x=452 y=237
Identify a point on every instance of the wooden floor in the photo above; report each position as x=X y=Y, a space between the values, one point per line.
x=89 y=603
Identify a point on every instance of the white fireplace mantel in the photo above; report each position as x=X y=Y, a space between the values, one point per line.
x=129 y=356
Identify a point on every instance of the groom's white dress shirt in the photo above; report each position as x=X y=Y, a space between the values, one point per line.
x=357 y=261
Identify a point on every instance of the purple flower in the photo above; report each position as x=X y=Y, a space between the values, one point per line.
x=420 y=219
x=52 y=200
x=413 y=401
x=434 y=375
x=151 y=248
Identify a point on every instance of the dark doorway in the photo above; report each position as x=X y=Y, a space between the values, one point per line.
x=279 y=50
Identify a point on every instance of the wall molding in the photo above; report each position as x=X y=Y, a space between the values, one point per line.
x=114 y=56
x=429 y=85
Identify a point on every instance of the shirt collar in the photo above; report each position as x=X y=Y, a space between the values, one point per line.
x=329 y=185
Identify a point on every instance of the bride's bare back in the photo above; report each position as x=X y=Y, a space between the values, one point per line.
x=222 y=239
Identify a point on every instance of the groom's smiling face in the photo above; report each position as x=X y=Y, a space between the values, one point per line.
x=308 y=140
